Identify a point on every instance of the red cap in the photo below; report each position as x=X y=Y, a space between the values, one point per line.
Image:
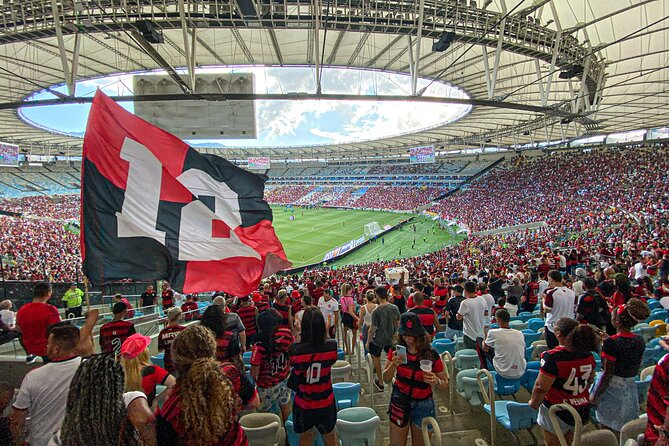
x=295 y=294
x=256 y=297
x=134 y=345
x=334 y=282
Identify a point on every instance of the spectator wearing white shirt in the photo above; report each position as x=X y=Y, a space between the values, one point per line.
x=490 y=304
x=578 y=285
x=43 y=392
x=330 y=309
x=507 y=348
x=559 y=302
x=472 y=314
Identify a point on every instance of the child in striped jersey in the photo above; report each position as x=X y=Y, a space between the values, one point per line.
x=269 y=363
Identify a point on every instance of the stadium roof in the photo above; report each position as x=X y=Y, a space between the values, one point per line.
x=535 y=70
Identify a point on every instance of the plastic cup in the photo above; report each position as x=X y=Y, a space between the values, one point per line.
x=426 y=365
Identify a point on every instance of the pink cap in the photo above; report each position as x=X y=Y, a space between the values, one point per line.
x=134 y=345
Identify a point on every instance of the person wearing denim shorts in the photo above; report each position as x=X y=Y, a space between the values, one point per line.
x=411 y=400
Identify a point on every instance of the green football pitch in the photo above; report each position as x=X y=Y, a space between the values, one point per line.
x=314 y=232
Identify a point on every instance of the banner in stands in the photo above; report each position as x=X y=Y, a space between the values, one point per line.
x=9 y=154
x=420 y=155
x=660 y=133
x=155 y=208
x=259 y=163
x=343 y=249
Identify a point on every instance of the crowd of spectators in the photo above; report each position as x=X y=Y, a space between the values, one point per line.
x=286 y=194
x=397 y=198
x=570 y=191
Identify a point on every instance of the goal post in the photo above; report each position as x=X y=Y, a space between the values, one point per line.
x=372 y=229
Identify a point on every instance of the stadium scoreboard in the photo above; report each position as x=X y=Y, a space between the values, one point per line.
x=421 y=155
x=9 y=154
x=259 y=163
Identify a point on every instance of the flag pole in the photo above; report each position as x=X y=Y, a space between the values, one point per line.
x=86 y=294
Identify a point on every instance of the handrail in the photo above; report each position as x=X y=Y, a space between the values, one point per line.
x=449 y=365
x=436 y=431
x=578 y=428
x=489 y=398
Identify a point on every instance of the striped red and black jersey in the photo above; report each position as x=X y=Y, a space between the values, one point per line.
x=112 y=335
x=227 y=346
x=171 y=432
x=165 y=338
x=532 y=293
x=409 y=376
x=262 y=306
x=427 y=317
x=240 y=381
x=284 y=310
x=439 y=305
x=168 y=298
x=312 y=368
x=658 y=399
x=297 y=305
x=572 y=372
x=190 y=310
x=274 y=366
x=248 y=316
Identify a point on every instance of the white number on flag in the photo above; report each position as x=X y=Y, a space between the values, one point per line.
x=139 y=214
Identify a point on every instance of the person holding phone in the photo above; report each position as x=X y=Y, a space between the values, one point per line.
x=416 y=367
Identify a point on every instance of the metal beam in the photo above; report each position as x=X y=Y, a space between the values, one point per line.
x=358 y=48
x=414 y=74
x=210 y=50
x=160 y=60
x=123 y=55
x=61 y=47
x=75 y=62
x=242 y=45
x=383 y=51
x=275 y=45
x=317 y=49
x=295 y=97
x=190 y=60
x=335 y=48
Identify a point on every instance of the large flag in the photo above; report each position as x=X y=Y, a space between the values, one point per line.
x=155 y=208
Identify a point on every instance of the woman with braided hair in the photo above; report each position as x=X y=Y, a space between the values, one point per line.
x=615 y=394
x=202 y=407
x=111 y=417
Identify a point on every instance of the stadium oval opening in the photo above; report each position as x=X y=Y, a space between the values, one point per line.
x=262 y=123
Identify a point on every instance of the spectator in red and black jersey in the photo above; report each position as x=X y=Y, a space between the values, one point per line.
x=296 y=298
x=657 y=405
x=269 y=363
x=167 y=296
x=396 y=297
x=607 y=284
x=318 y=291
x=592 y=308
x=417 y=288
x=428 y=318
x=140 y=374
x=249 y=316
x=623 y=292
x=202 y=408
x=311 y=360
x=167 y=335
x=227 y=342
x=260 y=301
x=415 y=374
x=115 y=332
x=530 y=294
x=282 y=306
x=565 y=377
x=615 y=394
x=190 y=309
x=130 y=313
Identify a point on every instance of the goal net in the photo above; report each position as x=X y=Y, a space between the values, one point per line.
x=372 y=229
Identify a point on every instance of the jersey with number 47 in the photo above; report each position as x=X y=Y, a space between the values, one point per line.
x=572 y=372
x=312 y=368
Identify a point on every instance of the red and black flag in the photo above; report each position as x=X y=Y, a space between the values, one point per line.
x=154 y=208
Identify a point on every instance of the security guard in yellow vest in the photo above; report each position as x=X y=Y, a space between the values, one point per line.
x=72 y=300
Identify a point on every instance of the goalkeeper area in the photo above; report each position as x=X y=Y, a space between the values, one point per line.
x=372 y=229
x=314 y=232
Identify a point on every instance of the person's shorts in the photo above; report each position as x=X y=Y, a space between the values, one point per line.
x=348 y=321
x=322 y=419
x=375 y=350
x=403 y=410
x=268 y=396
x=545 y=422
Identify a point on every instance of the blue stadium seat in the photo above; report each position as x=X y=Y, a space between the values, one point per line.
x=444 y=345
x=535 y=324
x=514 y=416
x=346 y=394
x=505 y=386
x=357 y=426
x=159 y=359
x=529 y=378
x=525 y=316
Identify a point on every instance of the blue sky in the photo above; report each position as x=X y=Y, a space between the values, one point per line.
x=290 y=123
